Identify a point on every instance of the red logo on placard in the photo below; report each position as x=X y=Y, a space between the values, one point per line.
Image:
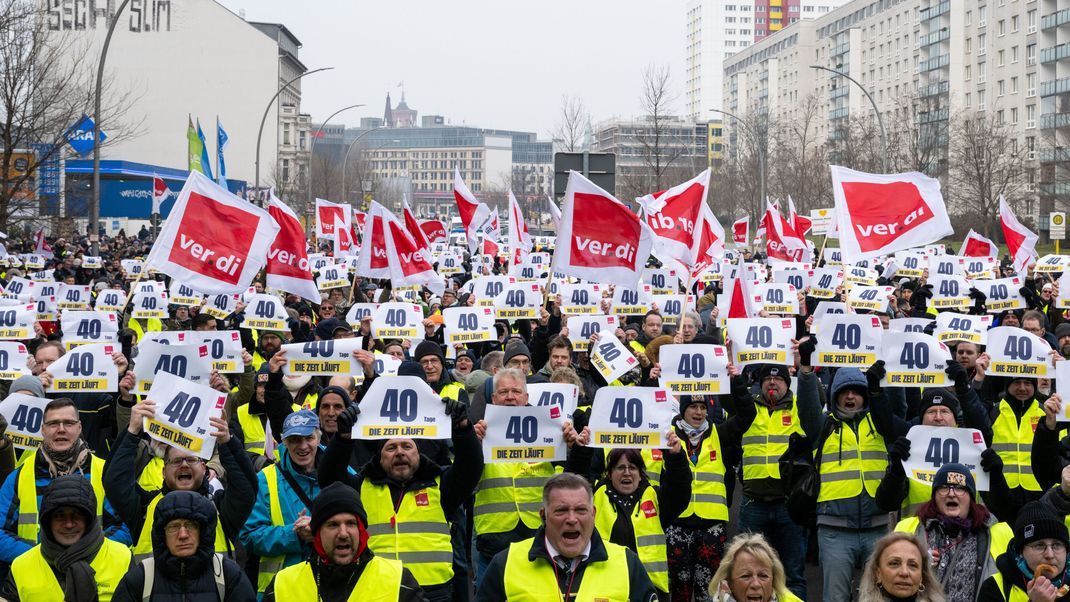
x=555 y=412
x=977 y=438
x=203 y=351
x=659 y=396
x=214 y=239
x=108 y=349
x=421 y=499
x=718 y=351
x=220 y=401
x=786 y=419
x=786 y=324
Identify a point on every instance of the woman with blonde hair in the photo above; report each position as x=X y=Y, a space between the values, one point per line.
x=899 y=570
x=750 y=570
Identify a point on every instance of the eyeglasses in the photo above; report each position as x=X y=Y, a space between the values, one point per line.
x=191 y=460
x=67 y=424
x=175 y=526
x=625 y=468
x=1039 y=547
x=953 y=489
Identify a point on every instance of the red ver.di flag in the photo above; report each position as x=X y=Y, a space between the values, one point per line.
x=600 y=239
x=878 y=214
x=214 y=241
x=326 y=214
x=287 y=266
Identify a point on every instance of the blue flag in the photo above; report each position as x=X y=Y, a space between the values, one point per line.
x=206 y=162
x=221 y=144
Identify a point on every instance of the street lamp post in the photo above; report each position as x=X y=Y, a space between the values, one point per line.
x=345 y=161
x=267 y=110
x=312 y=148
x=94 y=204
x=761 y=151
x=873 y=103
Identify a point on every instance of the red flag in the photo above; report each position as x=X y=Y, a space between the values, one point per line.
x=41 y=246
x=976 y=245
x=600 y=239
x=675 y=216
x=781 y=240
x=160 y=192
x=214 y=241
x=359 y=219
x=345 y=240
x=287 y=266
x=519 y=240
x=879 y=214
x=434 y=230
x=474 y=215
x=801 y=225
x=413 y=226
x=737 y=300
x=327 y=213
x=409 y=265
x=741 y=231
x=1021 y=242
x=373 y=261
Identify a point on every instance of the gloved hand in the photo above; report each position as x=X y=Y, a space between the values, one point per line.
x=1032 y=299
x=457 y=410
x=347 y=419
x=991 y=462
x=899 y=452
x=874 y=374
x=920 y=298
x=958 y=375
x=806 y=349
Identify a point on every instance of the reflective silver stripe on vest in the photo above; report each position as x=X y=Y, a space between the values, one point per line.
x=482 y=509
x=650 y=540
x=873 y=475
x=1012 y=447
x=656 y=567
x=494 y=483
x=140 y=557
x=834 y=457
x=409 y=527
x=418 y=557
x=759 y=439
x=255 y=446
x=709 y=477
x=710 y=498
x=761 y=460
x=843 y=475
x=270 y=566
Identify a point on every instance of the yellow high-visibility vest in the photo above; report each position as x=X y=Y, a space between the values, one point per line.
x=35 y=580
x=417 y=533
x=143 y=547
x=28 y=523
x=380 y=581
x=851 y=462
x=767 y=440
x=509 y=493
x=528 y=581
x=649 y=534
x=709 y=497
x=1013 y=441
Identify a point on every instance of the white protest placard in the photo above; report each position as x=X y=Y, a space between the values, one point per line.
x=468 y=324
x=833 y=256
x=81 y=327
x=21 y=289
x=14 y=358
x=333 y=276
x=172 y=337
x=24 y=414
x=43 y=276
x=526 y=271
x=824 y=282
x=981 y=267
x=913 y=359
x=946 y=265
x=149 y=286
x=46 y=309
x=1049 y=264
x=761 y=340
x=88 y=369
x=110 y=299
x=358 y=312
x=386 y=365
x=611 y=357
x=779 y=298
x=92 y=262
x=909 y=324
x=662 y=281
x=518 y=301
x=1002 y=294
x=316 y=261
x=911 y=263
x=632 y=302
x=183 y=411
x=450 y=262
x=825 y=309
x=1017 y=352
x=35 y=261
x=694 y=369
x=580 y=329
x=132 y=267
x=950 y=292
x=221 y=306
x=73 y=296
x=563 y=395
x=265 y=312
x=524 y=434
x=953 y=327
x=580 y=298
x=849 y=340
x=795 y=274
x=859 y=276
x=1062 y=386
x=933 y=446
x=938 y=249
x=182 y=294
x=149 y=305
x=191 y=362
x=16 y=322
x=671 y=307
x=637 y=417
x=869 y=298
x=224 y=348
x=402 y=406
x=45 y=289
x=397 y=320
x=323 y=358
x=486 y=288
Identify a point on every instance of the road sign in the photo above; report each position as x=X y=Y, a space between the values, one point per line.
x=1057 y=225
x=599 y=168
x=821 y=219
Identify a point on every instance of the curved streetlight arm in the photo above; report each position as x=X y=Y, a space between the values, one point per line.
x=94 y=205
x=876 y=111
x=267 y=110
x=312 y=146
x=345 y=161
x=757 y=143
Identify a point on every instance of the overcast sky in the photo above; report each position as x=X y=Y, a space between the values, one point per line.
x=489 y=63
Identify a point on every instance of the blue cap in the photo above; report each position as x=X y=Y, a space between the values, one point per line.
x=301 y=423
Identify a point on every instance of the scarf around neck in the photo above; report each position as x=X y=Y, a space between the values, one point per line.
x=693 y=433
x=61 y=463
x=76 y=576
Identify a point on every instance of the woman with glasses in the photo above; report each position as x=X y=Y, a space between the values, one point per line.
x=631 y=512
x=1034 y=566
x=964 y=539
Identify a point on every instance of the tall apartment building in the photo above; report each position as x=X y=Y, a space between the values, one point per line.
x=684 y=151
x=922 y=60
x=717 y=29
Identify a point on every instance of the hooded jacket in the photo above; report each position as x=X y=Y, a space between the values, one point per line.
x=263 y=538
x=189 y=579
x=861 y=511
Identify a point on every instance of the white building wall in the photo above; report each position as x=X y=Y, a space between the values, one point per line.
x=203 y=61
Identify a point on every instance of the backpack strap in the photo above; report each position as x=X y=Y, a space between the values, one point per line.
x=220 y=579
x=149 y=566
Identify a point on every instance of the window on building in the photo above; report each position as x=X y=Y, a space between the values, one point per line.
x=302 y=139
x=1000 y=58
x=1014 y=85
x=286 y=136
x=759 y=20
x=1031 y=21
x=1001 y=27
x=982 y=16
x=759 y=9
x=1014 y=23
x=981 y=43
x=969 y=44
x=1030 y=85
x=1030 y=117
x=1014 y=115
x=981 y=75
x=969 y=99
x=966 y=72
x=1000 y=88
x=981 y=100
x=1031 y=54
x=1000 y=120
x=969 y=17
x=1014 y=54
x=730 y=7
